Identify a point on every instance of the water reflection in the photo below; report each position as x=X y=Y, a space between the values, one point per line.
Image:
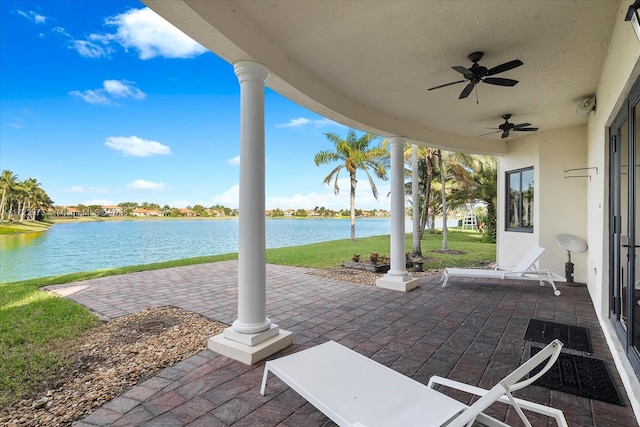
x=10 y=242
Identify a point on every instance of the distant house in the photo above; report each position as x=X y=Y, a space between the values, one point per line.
x=289 y=212
x=187 y=212
x=113 y=210
x=63 y=211
x=145 y=212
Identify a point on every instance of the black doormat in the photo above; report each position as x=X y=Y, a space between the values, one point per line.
x=582 y=376
x=574 y=337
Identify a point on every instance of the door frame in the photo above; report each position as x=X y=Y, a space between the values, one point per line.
x=629 y=112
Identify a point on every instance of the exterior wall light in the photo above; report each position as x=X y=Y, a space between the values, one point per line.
x=634 y=17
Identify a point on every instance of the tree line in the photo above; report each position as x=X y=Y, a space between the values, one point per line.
x=22 y=200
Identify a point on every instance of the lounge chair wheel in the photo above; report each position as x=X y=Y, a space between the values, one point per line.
x=557 y=293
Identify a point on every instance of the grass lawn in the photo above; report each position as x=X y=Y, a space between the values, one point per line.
x=36 y=327
x=334 y=253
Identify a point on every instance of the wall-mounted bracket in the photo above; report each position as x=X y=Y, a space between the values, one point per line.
x=578 y=176
x=582 y=169
x=579 y=169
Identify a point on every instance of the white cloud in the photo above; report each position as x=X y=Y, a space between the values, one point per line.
x=92 y=96
x=229 y=198
x=150 y=35
x=82 y=189
x=88 y=49
x=61 y=31
x=17 y=123
x=294 y=123
x=328 y=200
x=99 y=202
x=141 y=184
x=33 y=16
x=180 y=204
x=122 y=89
x=235 y=161
x=326 y=122
x=302 y=121
x=110 y=90
x=323 y=197
x=136 y=147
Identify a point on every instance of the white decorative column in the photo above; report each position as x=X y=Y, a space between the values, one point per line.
x=397 y=278
x=252 y=337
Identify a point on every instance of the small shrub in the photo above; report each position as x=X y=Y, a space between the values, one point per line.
x=374 y=257
x=356 y=257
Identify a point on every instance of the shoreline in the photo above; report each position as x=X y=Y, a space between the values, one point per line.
x=12 y=228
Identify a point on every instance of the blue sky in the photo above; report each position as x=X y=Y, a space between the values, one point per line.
x=105 y=102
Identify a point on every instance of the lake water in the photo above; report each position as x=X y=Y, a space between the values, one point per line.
x=87 y=246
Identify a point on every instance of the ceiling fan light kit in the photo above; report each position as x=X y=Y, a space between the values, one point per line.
x=478 y=73
x=507 y=127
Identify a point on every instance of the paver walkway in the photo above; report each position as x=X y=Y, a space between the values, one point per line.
x=471 y=331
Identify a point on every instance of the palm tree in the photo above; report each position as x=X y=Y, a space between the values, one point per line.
x=481 y=185
x=9 y=183
x=485 y=179
x=354 y=153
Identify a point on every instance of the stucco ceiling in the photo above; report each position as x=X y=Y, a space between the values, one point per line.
x=368 y=64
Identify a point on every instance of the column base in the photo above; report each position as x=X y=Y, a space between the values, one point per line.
x=397 y=283
x=250 y=354
x=251 y=339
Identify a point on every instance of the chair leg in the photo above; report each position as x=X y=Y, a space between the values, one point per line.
x=264 y=378
x=518 y=409
x=445 y=278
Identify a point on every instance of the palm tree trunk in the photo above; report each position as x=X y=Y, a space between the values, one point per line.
x=427 y=198
x=352 y=206
x=23 y=209
x=444 y=203
x=4 y=195
x=415 y=197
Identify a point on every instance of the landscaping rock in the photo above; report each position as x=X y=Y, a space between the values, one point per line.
x=111 y=358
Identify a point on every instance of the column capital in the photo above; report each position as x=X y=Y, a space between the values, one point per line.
x=393 y=140
x=251 y=71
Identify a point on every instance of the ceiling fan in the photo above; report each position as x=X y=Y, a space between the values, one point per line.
x=508 y=127
x=477 y=73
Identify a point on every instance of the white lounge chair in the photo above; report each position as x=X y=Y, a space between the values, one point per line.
x=525 y=270
x=355 y=391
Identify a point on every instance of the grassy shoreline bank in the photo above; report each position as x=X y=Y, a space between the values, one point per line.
x=19 y=227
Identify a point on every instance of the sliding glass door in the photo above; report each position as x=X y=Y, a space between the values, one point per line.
x=624 y=178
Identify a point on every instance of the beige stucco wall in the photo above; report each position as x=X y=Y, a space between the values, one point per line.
x=559 y=203
x=513 y=245
x=563 y=200
x=619 y=72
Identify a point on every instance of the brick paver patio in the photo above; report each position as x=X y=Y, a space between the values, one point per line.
x=471 y=331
